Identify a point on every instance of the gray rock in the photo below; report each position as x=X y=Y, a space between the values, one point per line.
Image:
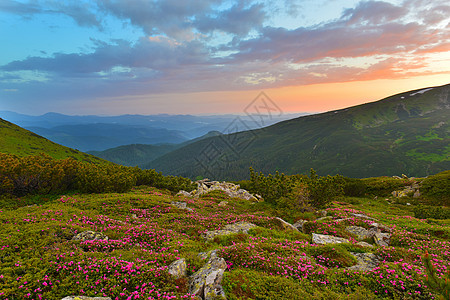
x=232 y=190
x=365 y=261
x=299 y=224
x=177 y=268
x=228 y=229
x=324 y=218
x=184 y=193
x=416 y=194
x=382 y=239
x=90 y=236
x=364 y=244
x=362 y=216
x=322 y=239
x=223 y=203
x=181 y=205
x=85 y=298
x=286 y=225
x=379 y=226
x=360 y=232
x=206 y=282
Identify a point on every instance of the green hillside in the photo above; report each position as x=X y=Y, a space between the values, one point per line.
x=142 y=154
x=21 y=142
x=405 y=133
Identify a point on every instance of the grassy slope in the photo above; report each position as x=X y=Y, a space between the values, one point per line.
x=400 y=134
x=21 y=142
x=142 y=246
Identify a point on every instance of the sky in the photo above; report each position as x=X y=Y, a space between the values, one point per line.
x=111 y=57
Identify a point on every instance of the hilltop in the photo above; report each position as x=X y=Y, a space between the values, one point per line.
x=405 y=133
x=22 y=142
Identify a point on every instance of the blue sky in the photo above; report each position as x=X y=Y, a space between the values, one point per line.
x=212 y=56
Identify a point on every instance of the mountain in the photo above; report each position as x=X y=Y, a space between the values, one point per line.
x=405 y=133
x=139 y=154
x=21 y=142
x=102 y=136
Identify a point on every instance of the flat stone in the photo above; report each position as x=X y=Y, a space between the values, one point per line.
x=364 y=244
x=365 y=261
x=322 y=239
x=177 y=268
x=286 y=225
x=223 y=203
x=90 y=236
x=324 y=218
x=362 y=216
x=380 y=226
x=184 y=193
x=229 y=229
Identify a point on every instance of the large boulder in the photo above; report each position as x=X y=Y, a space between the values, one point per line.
x=206 y=282
x=322 y=239
x=228 y=229
x=90 y=236
x=177 y=268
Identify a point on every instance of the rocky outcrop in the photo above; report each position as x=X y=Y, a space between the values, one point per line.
x=228 y=229
x=365 y=261
x=206 y=282
x=286 y=225
x=408 y=191
x=90 y=236
x=177 y=268
x=85 y=298
x=232 y=190
x=322 y=239
x=360 y=232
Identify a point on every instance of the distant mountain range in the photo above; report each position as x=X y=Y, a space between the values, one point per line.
x=97 y=133
x=21 y=142
x=406 y=133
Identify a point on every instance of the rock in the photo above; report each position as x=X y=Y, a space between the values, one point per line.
x=85 y=298
x=396 y=177
x=177 y=268
x=365 y=261
x=228 y=229
x=299 y=224
x=407 y=203
x=181 y=205
x=184 y=193
x=360 y=232
x=364 y=244
x=404 y=176
x=223 y=203
x=322 y=239
x=206 y=282
x=232 y=190
x=286 y=225
x=323 y=213
x=382 y=239
x=416 y=194
x=324 y=218
x=378 y=226
x=90 y=236
x=362 y=216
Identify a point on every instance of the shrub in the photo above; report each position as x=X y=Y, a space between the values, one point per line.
x=383 y=186
x=354 y=187
x=431 y=212
x=437 y=187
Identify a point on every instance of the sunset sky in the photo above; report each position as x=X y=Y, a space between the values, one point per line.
x=114 y=57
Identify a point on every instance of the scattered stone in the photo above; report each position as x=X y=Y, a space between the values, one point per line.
x=178 y=268
x=232 y=190
x=365 y=261
x=286 y=225
x=342 y=220
x=206 y=282
x=380 y=227
x=299 y=224
x=223 y=203
x=363 y=216
x=324 y=218
x=322 y=239
x=416 y=194
x=85 y=298
x=364 y=244
x=323 y=213
x=184 y=193
x=382 y=239
x=90 y=236
x=360 y=232
x=228 y=229
x=181 y=205
x=407 y=203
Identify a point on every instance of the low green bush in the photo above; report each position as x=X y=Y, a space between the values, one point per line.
x=437 y=187
x=431 y=212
